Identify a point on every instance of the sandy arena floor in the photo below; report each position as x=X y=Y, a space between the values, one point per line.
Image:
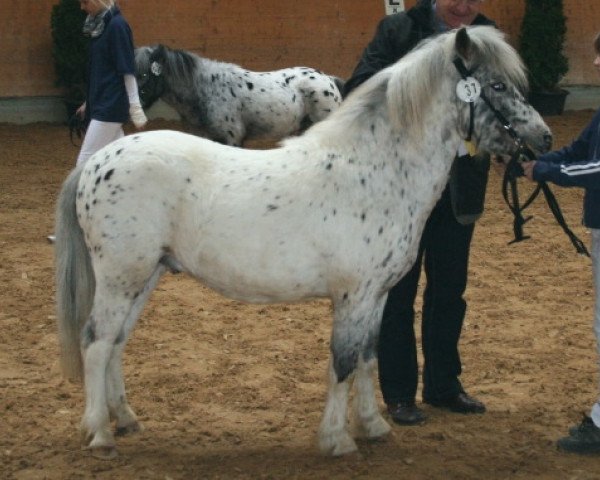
x=233 y=391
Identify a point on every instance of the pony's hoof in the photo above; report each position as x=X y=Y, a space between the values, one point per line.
x=338 y=445
x=104 y=453
x=131 y=429
x=375 y=428
x=100 y=443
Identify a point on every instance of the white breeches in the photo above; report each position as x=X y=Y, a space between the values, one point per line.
x=596 y=269
x=98 y=135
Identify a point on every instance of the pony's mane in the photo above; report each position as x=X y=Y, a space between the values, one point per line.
x=181 y=64
x=403 y=93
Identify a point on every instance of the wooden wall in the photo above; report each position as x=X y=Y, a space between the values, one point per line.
x=258 y=34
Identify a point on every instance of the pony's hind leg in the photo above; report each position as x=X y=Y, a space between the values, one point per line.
x=126 y=421
x=98 y=340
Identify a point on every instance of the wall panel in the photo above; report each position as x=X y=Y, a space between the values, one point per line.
x=258 y=34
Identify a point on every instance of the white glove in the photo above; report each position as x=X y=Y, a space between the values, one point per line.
x=138 y=117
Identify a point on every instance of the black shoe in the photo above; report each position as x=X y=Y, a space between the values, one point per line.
x=583 y=438
x=406 y=413
x=461 y=403
x=585 y=423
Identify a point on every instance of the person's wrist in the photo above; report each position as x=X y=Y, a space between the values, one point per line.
x=137 y=115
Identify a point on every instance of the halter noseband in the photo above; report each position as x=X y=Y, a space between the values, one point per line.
x=514 y=170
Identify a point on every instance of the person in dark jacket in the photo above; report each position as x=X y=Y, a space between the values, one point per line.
x=444 y=247
x=578 y=165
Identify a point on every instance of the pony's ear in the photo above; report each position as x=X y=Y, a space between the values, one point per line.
x=463 y=44
x=159 y=54
x=157 y=59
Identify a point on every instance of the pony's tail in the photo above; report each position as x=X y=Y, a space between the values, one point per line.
x=75 y=283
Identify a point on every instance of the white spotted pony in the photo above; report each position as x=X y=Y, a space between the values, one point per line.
x=336 y=213
x=229 y=104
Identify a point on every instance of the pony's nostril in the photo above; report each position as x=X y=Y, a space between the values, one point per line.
x=548 y=140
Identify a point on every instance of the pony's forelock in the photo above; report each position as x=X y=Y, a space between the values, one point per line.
x=142 y=58
x=490 y=47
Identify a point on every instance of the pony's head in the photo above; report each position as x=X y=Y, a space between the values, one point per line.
x=482 y=76
x=149 y=73
x=157 y=67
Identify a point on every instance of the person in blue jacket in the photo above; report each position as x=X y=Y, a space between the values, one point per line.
x=112 y=93
x=578 y=165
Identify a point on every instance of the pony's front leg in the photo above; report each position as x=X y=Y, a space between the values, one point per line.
x=334 y=438
x=366 y=412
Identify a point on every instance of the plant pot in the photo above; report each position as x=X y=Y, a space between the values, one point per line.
x=548 y=103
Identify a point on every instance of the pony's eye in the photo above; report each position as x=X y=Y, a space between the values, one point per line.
x=499 y=86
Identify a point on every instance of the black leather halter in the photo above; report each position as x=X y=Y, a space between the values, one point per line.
x=514 y=170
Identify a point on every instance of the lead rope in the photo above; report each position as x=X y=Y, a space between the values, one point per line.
x=509 y=182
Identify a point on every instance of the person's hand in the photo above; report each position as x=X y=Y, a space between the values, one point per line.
x=528 y=169
x=138 y=117
x=81 y=110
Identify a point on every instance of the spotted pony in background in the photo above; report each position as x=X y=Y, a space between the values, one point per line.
x=229 y=104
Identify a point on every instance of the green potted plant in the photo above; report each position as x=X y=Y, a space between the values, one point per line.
x=69 y=50
x=541 y=42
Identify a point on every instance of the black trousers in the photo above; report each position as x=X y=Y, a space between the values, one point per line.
x=444 y=252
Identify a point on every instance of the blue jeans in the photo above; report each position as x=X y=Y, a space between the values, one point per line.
x=444 y=252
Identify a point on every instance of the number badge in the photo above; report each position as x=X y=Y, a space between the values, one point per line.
x=468 y=89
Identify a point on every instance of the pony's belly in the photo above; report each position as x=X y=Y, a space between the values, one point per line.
x=261 y=286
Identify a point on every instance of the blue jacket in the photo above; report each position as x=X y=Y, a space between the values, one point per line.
x=577 y=165
x=111 y=57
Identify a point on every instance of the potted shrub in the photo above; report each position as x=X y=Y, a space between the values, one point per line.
x=541 y=44
x=69 y=50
